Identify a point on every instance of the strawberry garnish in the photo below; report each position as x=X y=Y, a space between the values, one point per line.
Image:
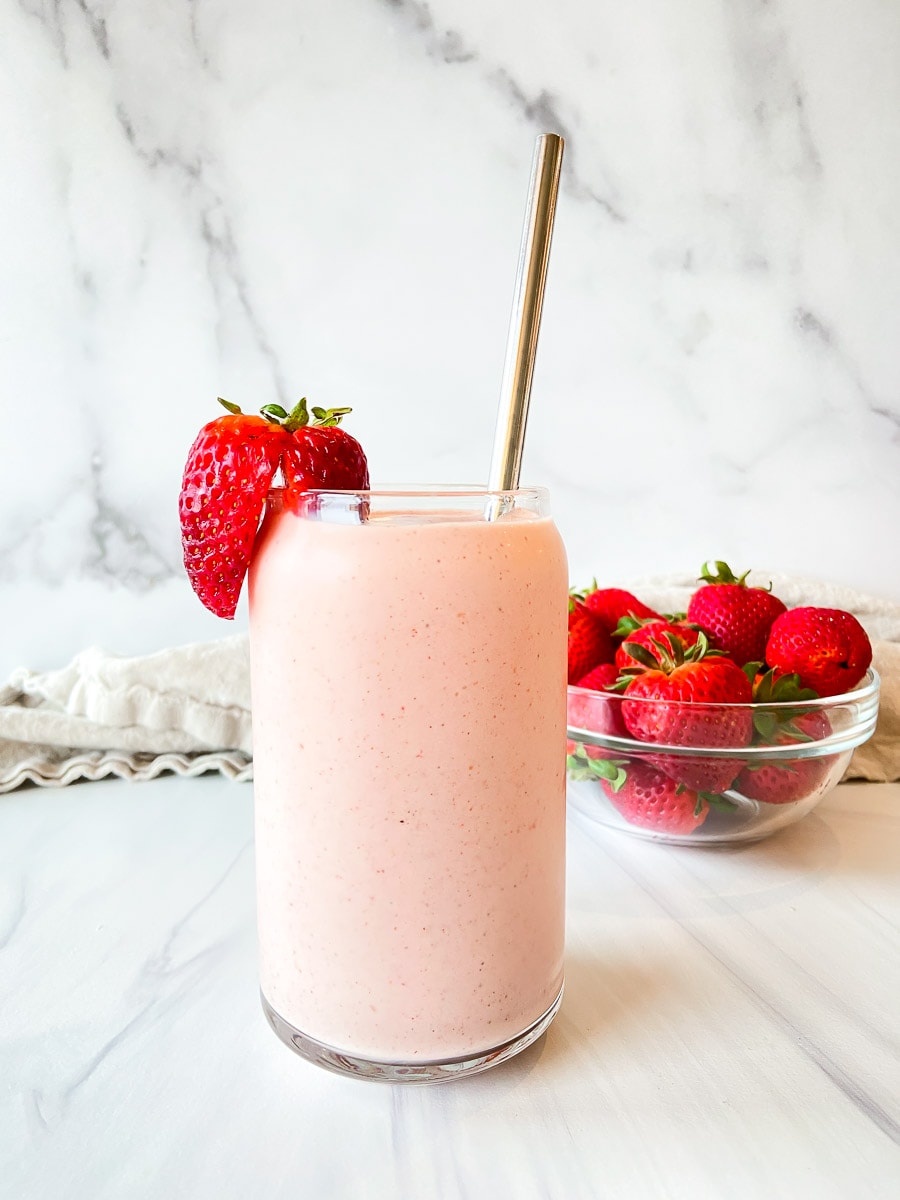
x=320 y=454
x=735 y=617
x=826 y=647
x=228 y=474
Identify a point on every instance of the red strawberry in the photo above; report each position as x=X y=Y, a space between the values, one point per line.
x=783 y=781
x=589 y=643
x=645 y=633
x=227 y=476
x=601 y=678
x=321 y=454
x=649 y=799
x=610 y=605
x=826 y=647
x=576 y=611
x=782 y=711
x=597 y=713
x=689 y=698
x=736 y=618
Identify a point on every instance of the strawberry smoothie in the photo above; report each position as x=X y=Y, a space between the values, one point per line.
x=408 y=675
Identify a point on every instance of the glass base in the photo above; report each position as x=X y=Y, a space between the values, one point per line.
x=404 y=1072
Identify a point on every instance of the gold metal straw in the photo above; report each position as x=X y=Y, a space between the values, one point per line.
x=525 y=321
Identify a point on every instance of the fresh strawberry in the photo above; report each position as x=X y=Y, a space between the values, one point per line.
x=783 y=781
x=227 y=476
x=736 y=618
x=689 y=697
x=576 y=611
x=652 y=800
x=610 y=605
x=674 y=694
x=783 y=711
x=646 y=632
x=589 y=643
x=597 y=713
x=321 y=454
x=601 y=678
x=826 y=647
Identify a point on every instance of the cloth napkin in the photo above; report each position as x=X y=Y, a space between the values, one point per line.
x=187 y=709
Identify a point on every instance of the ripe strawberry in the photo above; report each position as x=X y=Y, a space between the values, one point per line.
x=576 y=611
x=597 y=713
x=610 y=605
x=736 y=618
x=826 y=647
x=589 y=643
x=783 y=781
x=646 y=633
x=689 y=698
x=783 y=712
x=649 y=799
x=321 y=454
x=601 y=678
x=673 y=698
x=227 y=476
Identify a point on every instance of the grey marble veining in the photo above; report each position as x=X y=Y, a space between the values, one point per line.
x=202 y=200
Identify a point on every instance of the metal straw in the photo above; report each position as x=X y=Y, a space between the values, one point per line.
x=525 y=321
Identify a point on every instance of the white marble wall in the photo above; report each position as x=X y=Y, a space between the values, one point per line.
x=205 y=197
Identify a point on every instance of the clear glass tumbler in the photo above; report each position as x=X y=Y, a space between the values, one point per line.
x=408 y=673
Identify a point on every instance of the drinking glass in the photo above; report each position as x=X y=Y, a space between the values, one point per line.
x=408 y=667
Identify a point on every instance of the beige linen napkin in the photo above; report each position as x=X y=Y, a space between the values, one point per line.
x=187 y=709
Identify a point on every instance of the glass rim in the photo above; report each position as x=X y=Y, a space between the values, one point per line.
x=474 y=491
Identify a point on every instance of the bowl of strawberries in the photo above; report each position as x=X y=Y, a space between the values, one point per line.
x=721 y=724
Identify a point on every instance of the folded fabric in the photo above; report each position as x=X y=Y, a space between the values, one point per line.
x=187 y=709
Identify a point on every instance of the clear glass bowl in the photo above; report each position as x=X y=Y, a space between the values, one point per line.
x=749 y=770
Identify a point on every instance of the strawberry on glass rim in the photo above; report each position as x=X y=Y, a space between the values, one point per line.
x=229 y=470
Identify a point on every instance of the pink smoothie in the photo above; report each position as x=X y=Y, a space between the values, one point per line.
x=409 y=731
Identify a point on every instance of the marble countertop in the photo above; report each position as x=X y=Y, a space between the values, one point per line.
x=730 y=1025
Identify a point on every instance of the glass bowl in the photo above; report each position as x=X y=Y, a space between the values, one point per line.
x=749 y=770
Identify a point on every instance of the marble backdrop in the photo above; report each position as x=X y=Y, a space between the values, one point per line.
x=207 y=197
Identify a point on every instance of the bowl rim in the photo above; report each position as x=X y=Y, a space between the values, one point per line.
x=859 y=730
x=868 y=688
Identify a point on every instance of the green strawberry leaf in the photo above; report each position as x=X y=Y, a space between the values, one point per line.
x=766 y=724
x=716 y=571
x=628 y=624
x=642 y=655
x=719 y=803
